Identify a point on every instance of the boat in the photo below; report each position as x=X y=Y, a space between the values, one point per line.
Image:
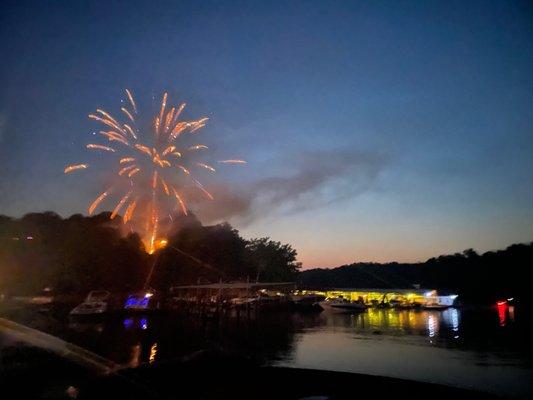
x=266 y=301
x=346 y=305
x=96 y=303
x=242 y=301
x=145 y=300
x=307 y=302
x=434 y=302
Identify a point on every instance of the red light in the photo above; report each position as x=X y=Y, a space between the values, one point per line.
x=502 y=312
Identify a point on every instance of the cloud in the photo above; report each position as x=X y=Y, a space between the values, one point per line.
x=313 y=179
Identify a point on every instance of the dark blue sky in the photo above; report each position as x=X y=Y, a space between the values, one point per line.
x=374 y=130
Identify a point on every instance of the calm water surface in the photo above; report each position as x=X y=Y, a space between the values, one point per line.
x=485 y=350
x=472 y=350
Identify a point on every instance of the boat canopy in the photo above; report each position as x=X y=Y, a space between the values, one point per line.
x=235 y=285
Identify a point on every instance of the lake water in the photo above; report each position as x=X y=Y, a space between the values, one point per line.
x=481 y=349
x=447 y=347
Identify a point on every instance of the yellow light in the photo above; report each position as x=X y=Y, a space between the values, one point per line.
x=158 y=244
x=153 y=353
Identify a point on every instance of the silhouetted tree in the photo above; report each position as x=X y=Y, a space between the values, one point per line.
x=70 y=255
x=273 y=261
x=198 y=252
x=78 y=254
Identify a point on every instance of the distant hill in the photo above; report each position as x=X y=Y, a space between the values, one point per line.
x=477 y=278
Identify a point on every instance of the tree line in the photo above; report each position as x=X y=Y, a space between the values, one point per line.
x=477 y=278
x=79 y=253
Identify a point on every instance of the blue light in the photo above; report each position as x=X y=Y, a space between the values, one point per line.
x=144 y=323
x=455 y=320
x=135 y=301
x=128 y=323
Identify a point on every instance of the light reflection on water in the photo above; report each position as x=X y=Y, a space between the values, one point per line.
x=455 y=347
x=480 y=350
x=400 y=322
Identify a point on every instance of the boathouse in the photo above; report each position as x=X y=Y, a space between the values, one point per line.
x=393 y=296
x=227 y=291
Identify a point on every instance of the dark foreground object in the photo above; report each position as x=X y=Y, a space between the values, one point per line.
x=209 y=377
x=36 y=365
x=216 y=377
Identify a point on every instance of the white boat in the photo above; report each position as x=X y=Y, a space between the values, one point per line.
x=96 y=303
x=240 y=301
x=346 y=305
x=434 y=302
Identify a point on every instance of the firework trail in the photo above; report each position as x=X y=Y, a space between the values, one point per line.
x=151 y=170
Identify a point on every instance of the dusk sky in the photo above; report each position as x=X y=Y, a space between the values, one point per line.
x=373 y=130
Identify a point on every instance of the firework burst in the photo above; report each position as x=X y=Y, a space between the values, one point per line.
x=152 y=167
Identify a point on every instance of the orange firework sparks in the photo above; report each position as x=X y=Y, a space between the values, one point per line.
x=130 y=131
x=113 y=136
x=129 y=211
x=169 y=117
x=120 y=204
x=154 y=180
x=165 y=187
x=185 y=170
x=208 y=167
x=178 y=129
x=180 y=202
x=169 y=149
x=107 y=122
x=100 y=147
x=109 y=117
x=178 y=113
x=128 y=114
x=130 y=97
x=148 y=169
x=97 y=201
x=144 y=149
x=126 y=169
x=133 y=172
x=74 y=167
x=163 y=105
x=201 y=187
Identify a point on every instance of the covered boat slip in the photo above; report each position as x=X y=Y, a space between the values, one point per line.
x=228 y=291
x=392 y=297
x=217 y=292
